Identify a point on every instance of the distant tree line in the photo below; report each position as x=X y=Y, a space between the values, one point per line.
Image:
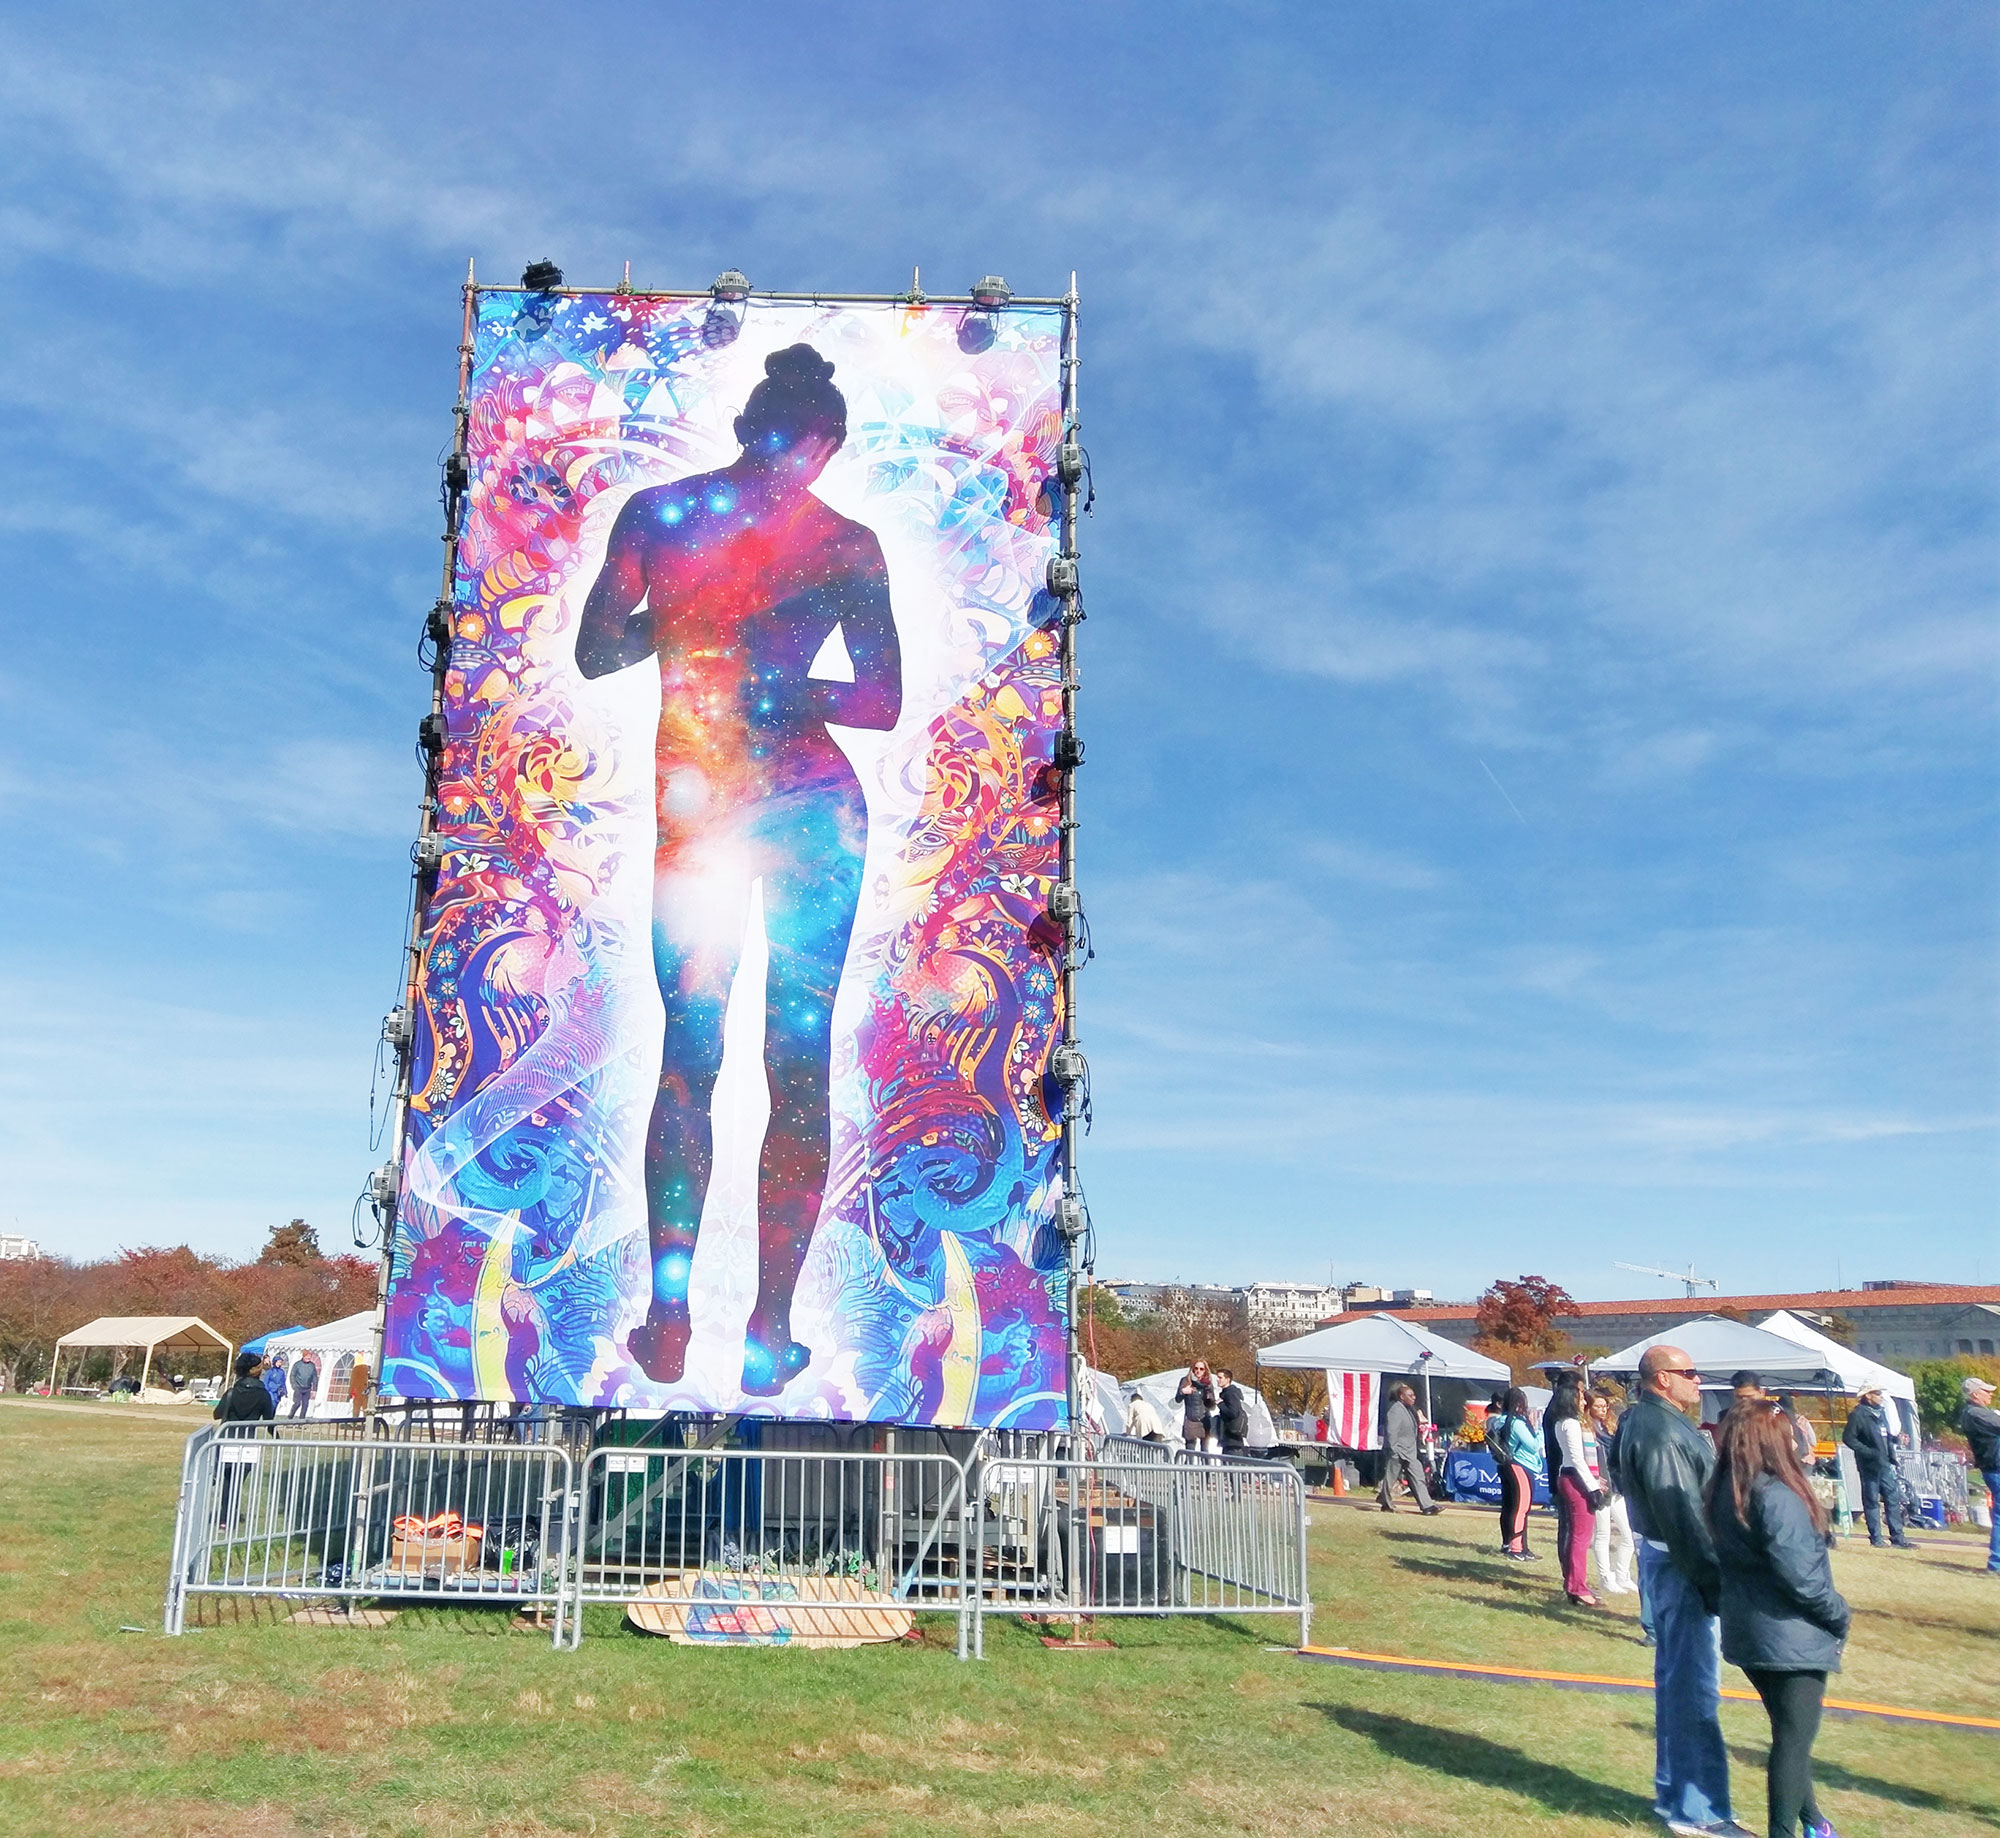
x=1181 y=1327
x=289 y=1283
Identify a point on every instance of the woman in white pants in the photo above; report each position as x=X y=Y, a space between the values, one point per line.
x=1611 y=1543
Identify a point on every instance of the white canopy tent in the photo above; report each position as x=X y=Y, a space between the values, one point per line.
x=1720 y=1347
x=1158 y=1389
x=133 y=1333
x=334 y=1347
x=1857 y=1372
x=1385 y=1343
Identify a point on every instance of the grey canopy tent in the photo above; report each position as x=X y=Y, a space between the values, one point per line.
x=1385 y=1343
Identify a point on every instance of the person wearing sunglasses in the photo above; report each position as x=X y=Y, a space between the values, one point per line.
x=1664 y=1464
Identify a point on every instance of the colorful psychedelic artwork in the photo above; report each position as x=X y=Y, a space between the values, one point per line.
x=737 y=990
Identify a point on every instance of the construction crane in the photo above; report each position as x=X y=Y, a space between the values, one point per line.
x=1687 y=1276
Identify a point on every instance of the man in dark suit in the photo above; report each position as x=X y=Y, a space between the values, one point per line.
x=1869 y=1435
x=1233 y=1414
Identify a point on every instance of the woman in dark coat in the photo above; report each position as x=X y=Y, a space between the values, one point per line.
x=1783 y=1621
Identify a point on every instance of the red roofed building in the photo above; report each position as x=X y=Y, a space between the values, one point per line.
x=1899 y=1324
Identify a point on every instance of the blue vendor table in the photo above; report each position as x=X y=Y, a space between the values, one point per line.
x=1471 y=1478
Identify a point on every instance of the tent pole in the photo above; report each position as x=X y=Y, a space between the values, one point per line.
x=145 y=1372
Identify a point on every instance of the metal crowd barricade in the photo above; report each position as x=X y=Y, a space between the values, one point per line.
x=340 y=1519
x=510 y=1509
x=1137 y=1530
x=812 y=1529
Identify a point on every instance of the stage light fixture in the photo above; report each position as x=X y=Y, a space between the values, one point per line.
x=1062 y=576
x=976 y=332
x=431 y=734
x=1068 y=1064
x=1065 y=903
x=1068 y=754
x=383 y=1185
x=1071 y=1219
x=454 y=473
x=724 y=318
x=542 y=277
x=990 y=293
x=427 y=853
x=1069 y=462
x=397 y=1028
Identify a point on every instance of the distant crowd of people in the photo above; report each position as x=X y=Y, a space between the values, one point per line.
x=1215 y=1416
x=1731 y=1540
x=264 y=1383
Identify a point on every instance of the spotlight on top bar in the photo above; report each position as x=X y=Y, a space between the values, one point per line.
x=724 y=319
x=980 y=327
x=541 y=277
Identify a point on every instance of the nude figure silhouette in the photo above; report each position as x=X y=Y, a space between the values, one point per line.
x=733 y=580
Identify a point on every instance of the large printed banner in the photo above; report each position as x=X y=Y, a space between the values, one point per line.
x=736 y=993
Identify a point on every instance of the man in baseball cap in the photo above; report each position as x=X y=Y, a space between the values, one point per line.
x=1872 y=1437
x=1980 y=1423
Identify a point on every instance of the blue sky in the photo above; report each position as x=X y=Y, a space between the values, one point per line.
x=1540 y=681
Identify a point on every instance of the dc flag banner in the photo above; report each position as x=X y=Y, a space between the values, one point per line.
x=737 y=991
x=1353 y=1397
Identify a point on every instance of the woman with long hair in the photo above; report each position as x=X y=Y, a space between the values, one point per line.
x=1517 y=1453
x=1783 y=1621
x=1574 y=1488
x=1612 y=1544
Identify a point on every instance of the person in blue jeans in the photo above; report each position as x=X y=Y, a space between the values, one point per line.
x=1979 y=1422
x=1872 y=1438
x=1664 y=1464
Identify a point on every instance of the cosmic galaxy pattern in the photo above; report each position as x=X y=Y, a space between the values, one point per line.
x=694 y=867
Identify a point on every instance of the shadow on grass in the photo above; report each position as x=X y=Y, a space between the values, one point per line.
x=1491 y=1764
x=1465 y=1569
x=1832 y=1775
x=1450 y=1544
x=1941 y=1626
x=1553 y=1607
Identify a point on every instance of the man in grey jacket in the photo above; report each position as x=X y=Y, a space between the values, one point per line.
x=1403 y=1456
x=1663 y=1466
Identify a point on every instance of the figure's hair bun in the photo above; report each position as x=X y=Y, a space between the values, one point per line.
x=798 y=364
x=796 y=398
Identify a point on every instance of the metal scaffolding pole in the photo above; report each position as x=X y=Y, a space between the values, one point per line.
x=1072 y=613
x=424 y=854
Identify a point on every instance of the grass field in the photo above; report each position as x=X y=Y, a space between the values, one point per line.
x=447 y=1722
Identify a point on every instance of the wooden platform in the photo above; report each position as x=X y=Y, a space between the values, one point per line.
x=707 y=1609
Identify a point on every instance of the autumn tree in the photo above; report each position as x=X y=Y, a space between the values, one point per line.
x=43 y=1298
x=1517 y=1323
x=296 y=1245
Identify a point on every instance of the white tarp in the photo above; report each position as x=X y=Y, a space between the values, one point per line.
x=335 y=1347
x=1158 y=1389
x=1102 y=1400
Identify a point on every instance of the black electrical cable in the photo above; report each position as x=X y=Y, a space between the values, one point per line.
x=362 y=1243
x=375 y=1129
